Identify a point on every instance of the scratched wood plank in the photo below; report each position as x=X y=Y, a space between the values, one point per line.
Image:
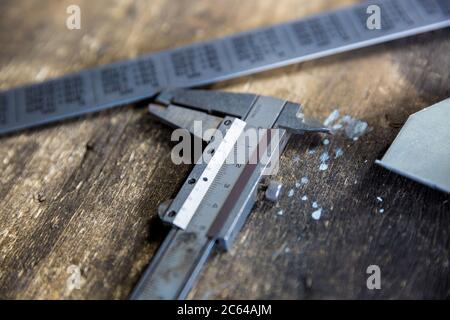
x=81 y=196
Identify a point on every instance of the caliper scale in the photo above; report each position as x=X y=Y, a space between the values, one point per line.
x=217 y=196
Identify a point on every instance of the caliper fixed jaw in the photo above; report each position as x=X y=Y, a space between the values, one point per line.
x=294 y=120
x=197 y=103
x=217 y=103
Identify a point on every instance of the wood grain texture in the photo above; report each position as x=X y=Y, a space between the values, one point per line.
x=85 y=192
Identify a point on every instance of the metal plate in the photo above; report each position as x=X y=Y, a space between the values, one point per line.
x=421 y=150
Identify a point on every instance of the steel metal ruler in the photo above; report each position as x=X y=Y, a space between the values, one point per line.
x=207 y=62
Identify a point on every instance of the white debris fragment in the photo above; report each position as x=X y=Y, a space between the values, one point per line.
x=303 y=181
x=354 y=128
x=75 y=279
x=380 y=199
x=312 y=151
x=338 y=153
x=296 y=159
x=381 y=210
x=315 y=205
x=335 y=128
x=324 y=157
x=331 y=118
x=326 y=142
x=316 y=214
x=280 y=212
x=291 y=193
x=305 y=198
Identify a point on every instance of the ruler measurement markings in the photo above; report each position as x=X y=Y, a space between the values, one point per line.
x=288 y=38
x=196 y=63
x=195 y=197
x=93 y=88
x=213 y=201
x=16 y=106
x=431 y=9
x=120 y=82
x=412 y=8
x=253 y=49
x=317 y=34
x=350 y=23
x=264 y=113
x=236 y=218
x=114 y=82
x=401 y=13
x=57 y=97
x=12 y=109
x=4 y=108
x=228 y=175
x=225 y=49
x=445 y=7
x=144 y=73
x=164 y=62
x=342 y=30
x=239 y=186
x=207 y=62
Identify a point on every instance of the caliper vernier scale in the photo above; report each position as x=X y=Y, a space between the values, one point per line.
x=214 y=202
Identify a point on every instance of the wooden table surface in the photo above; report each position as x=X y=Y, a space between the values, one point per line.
x=80 y=196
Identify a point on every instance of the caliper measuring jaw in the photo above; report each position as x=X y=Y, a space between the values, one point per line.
x=218 y=195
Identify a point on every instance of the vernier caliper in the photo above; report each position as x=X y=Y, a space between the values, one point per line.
x=214 y=202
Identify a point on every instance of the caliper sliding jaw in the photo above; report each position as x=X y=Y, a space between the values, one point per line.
x=217 y=197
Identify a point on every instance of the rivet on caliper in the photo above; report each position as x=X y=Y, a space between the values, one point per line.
x=274 y=190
